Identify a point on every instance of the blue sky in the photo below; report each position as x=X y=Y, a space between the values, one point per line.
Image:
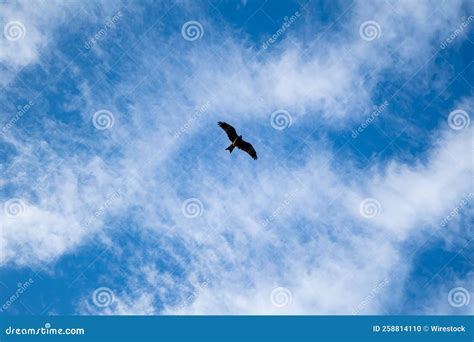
x=118 y=196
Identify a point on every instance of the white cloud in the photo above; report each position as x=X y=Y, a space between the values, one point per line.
x=453 y=297
x=317 y=244
x=62 y=205
x=29 y=32
x=140 y=304
x=412 y=195
x=339 y=268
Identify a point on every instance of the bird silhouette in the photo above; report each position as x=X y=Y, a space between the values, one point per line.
x=237 y=140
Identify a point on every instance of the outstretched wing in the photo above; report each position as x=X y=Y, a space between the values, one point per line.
x=247 y=147
x=231 y=133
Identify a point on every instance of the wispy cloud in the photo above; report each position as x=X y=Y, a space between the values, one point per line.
x=131 y=135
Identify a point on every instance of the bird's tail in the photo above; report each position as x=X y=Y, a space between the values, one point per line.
x=230 y=148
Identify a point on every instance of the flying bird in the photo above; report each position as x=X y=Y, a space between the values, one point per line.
x=237 y=140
